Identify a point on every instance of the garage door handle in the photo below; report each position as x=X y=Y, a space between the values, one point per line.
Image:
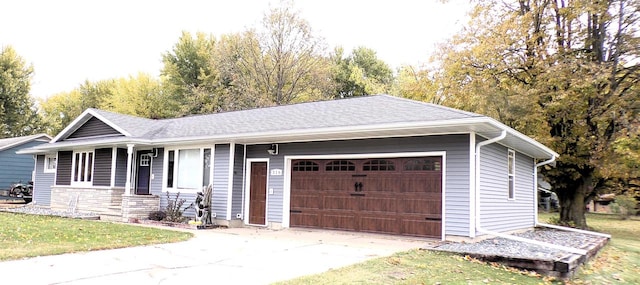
x=295 y=211
x=358 y=186
x=433 y=219
x=357 y=194
x=359 y=175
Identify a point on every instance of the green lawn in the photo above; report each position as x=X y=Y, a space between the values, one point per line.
x=33 y=235
x=618 y=263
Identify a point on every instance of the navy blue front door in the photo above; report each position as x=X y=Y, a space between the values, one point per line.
x=144 y=173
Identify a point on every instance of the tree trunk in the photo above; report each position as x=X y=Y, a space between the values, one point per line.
x=572 y=203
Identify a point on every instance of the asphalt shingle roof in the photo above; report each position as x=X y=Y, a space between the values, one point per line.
x=10 y=142
x=352 y=112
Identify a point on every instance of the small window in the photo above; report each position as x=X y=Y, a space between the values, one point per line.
x=145 y=160
x=170 y=168
x=379 y=165
x=511 y=162
x=340 y=165
x=422 y=164
x=306 y=165
x=50 y=163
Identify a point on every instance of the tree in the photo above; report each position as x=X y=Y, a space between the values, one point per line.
x=17 y=113
x=191 y=76
x=416 y=84
x=282 y=60
x=361 y=73
x=61 y=109
x=564 y=72
x=141 y=96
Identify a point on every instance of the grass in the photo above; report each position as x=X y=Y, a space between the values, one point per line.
x=24 y=235
x=617 y=263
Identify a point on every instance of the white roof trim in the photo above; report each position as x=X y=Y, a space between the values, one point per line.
x=80 y=120
x=25 y=140
x=319 y=134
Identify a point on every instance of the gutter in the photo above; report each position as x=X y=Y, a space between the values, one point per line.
x=478 y=227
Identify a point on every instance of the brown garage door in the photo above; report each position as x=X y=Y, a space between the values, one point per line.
x=390 y=195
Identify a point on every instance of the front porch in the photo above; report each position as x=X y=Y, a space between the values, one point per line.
x=110 y=203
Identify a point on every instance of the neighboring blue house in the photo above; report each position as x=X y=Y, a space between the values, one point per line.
x=18 y=167
x=373 y=164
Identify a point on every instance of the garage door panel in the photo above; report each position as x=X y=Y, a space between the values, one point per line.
x=387 y=204
x=420 y=206
x=339 y=221
x=308 y=201
x=331 y=202
x=379 y=224
x=396 y=196
x=421 y=227
x=306 y=219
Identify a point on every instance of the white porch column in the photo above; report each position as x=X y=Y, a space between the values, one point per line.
x=127 y=190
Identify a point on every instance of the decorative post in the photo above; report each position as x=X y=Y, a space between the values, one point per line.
x=127 y=186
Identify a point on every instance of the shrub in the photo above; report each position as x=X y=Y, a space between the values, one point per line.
x=624 y=206
x=175 y=209
x=157 y=215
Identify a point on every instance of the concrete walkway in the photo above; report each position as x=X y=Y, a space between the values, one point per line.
x=219 y=256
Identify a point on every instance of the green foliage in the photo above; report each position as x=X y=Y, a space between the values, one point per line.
x=175 y=208
x=157 y=215
x=416 y=84
x=17 y=112
x=565 y=73
x=34 y=235
x=625 y=206
x=361 y=73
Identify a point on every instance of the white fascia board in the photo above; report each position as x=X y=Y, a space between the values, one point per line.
x=523 y=137
x=284 y=135
x=23 y=141
x=77 y=123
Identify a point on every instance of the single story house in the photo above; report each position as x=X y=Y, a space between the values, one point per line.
x=18 y=167
x=378 y=164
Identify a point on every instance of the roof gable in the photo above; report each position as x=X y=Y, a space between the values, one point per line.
x=93 y=128
x=17 y=141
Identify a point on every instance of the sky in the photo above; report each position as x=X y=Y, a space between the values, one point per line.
x=70 y=41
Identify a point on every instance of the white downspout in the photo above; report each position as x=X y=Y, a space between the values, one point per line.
x=538 y=224
x=535 y=184
x=479 y=228
x=477 y=174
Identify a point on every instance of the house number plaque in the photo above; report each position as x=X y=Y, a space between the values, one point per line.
x=276 y=172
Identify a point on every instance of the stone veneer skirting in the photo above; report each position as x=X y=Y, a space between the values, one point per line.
x=139 y=206
x=108 y=202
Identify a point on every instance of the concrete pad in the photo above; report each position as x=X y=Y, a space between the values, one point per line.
x=238 y=256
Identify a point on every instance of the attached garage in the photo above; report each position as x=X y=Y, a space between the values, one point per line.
x=380 y=195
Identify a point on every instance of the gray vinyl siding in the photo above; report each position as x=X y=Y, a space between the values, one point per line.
x=457 y=169
x=497 y=211
x=42 y=184
x=63 y=168
x=157 y=173
x=186 y=198
x=238 y=174
x=16 y=167
x=102 y=167
x=220 y=181
x=121 y=168
x=92 y=128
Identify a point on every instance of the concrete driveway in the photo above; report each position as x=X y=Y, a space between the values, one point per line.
x=219 y=256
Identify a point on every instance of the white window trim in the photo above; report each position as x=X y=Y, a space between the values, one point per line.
x=46 y=168
x=176 y=159
x=511 y=177
x=73 y=167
